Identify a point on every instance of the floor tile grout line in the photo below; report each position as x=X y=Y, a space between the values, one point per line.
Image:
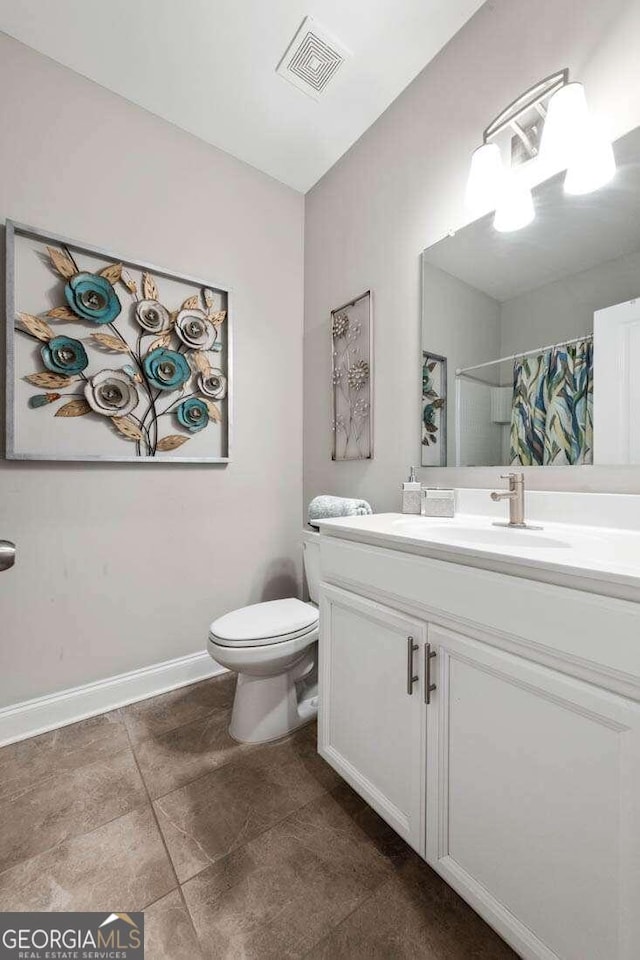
x=76 y=766
x=63 y=774
x=85 y=833
x=324 y=792
x=120 y=712
x=166 y=849
x=73 y=836
x=179 y=725
x=152 y=903
x=199 y=940
x=252 y=748
x=150 y=801
x=130 y=744
x=187 y=783
x=359 y=906
x=153 y=813
x=256 y=836
x=146 y=801
x=373 y=892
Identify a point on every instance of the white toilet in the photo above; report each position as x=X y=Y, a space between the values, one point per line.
x=273 y=648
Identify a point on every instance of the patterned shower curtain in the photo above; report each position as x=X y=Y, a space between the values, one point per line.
x=552 y=413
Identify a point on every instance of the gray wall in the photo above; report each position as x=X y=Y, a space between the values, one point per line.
x=401 y=188
x=121 y=566
x=565 y=309
x=470 y=334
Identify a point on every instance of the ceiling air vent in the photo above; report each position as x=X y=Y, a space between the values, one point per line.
x=312 y=59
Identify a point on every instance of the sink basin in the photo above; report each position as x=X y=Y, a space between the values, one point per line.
x=482 y=536
x=598 y=559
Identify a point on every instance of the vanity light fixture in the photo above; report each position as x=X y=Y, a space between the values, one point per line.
x=552 y=119
x=515 y=205
x=573 y=139
x=485 y=178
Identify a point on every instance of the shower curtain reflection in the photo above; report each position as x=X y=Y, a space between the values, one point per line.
x=552 y=415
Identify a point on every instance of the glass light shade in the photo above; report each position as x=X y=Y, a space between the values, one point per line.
x=566 y=122
x=486 y=178
x=593 y=163
x=515 y=208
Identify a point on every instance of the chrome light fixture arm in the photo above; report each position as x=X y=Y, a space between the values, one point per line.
x=533 y=98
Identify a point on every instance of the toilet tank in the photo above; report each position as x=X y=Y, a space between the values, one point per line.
x=311 y=555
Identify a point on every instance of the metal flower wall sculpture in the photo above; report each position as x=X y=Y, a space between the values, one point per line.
x=157 y=391
x=351 y=386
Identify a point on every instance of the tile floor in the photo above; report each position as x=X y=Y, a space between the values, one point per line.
x=233 y=852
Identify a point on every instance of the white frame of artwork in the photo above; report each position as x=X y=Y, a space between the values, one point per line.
x=15 y=229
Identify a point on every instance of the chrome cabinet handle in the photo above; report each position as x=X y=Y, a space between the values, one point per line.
x=411 y=677
x=429 y=687
x=7 y=554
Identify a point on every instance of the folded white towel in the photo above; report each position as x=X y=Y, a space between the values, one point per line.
x=322 y=508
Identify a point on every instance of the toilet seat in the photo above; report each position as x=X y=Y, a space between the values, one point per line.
x=262 y=624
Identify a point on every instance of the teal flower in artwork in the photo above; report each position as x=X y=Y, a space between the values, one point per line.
x=193 y=414
x=64 y=355
x=166 y=369
x=92 y=297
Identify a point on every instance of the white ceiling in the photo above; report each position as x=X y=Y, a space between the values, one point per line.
x=209 y=66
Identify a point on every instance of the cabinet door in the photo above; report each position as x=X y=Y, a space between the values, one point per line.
x=372 y=711
x=533 y=805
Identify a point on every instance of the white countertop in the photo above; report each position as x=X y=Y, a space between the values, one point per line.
x=603 y=560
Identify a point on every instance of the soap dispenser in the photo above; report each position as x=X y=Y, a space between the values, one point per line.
x=411 y=493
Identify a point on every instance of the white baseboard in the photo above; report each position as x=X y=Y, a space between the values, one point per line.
x=31 y=717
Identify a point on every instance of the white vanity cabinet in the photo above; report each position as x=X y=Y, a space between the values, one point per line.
x=519 y=782
x=372 y=721
x=533 y=806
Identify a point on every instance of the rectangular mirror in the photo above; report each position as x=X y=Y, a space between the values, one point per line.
x=531 y=339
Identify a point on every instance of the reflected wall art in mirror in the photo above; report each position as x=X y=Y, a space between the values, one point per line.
x=541 y=329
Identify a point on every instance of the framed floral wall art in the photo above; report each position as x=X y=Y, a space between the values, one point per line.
x=434 y=410
x=351 y=374
x=111 y=359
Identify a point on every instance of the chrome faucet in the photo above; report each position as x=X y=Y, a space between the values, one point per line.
x=515 y=496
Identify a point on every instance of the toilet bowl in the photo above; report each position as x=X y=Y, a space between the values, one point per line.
x=272 y=647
